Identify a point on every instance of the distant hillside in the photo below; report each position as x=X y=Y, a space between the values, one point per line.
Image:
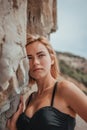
x=74 y=68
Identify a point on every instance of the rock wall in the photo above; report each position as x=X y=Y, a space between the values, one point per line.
x=13 y=61
x=42 y=17
x=15 y=15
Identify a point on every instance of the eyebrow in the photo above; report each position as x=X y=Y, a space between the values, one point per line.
x=37 y=53
x=40 y=52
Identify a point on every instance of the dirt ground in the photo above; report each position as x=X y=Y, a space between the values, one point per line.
x=80 y=124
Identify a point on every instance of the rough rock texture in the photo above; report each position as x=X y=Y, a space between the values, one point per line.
x=13 y=61
x=39 y=16
x=42 y=17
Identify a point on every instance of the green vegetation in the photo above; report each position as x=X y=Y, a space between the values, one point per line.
x=77 y=74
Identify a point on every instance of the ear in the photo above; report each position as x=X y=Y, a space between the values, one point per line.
x=52 y=59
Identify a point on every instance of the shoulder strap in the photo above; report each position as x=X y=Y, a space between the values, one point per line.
x=29 y=99
x=53 y=94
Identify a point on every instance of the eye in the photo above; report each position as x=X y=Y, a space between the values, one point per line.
x=29 y=57
x=41 y=55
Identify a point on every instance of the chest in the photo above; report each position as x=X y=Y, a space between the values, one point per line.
x=37 y=103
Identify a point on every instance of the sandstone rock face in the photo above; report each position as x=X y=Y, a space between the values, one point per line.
x=42 y=17
x=39 y=16
x=13 y=61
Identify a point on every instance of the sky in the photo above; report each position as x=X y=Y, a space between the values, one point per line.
x=71 y=34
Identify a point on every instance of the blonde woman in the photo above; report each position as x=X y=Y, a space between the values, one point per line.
x=55 y=104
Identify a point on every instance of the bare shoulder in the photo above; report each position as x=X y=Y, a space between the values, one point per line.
x=66 y=87
x=65 y=83
x=74 y=97
x=71 y=93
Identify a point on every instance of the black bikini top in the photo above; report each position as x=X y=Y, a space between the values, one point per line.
x=46 y=118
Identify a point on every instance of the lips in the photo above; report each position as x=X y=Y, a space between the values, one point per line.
x=36 y=69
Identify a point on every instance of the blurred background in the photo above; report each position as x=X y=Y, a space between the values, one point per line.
x=70 y=44
x=71 y=35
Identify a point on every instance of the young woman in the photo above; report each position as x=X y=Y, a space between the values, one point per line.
x=55 y=105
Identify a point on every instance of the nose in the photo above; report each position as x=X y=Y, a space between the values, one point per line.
x=36 y=61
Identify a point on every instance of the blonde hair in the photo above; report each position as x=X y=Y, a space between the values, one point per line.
x=55 y=67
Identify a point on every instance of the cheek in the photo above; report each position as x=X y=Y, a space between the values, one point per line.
x=46 y=63
x=30 y=65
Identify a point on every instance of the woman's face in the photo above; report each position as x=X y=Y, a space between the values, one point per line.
x=39 y=60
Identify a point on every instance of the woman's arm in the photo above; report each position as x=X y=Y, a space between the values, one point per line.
x=11 y=123
x=75 y=98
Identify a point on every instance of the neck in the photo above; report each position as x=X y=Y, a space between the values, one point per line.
x=45 y=84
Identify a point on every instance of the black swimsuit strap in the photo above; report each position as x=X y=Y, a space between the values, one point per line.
x=30 y=97
x=53 y=94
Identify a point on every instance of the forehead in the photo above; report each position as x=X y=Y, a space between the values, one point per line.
x=35 y=47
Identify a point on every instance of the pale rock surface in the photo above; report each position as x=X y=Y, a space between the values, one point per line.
x=13 y=62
